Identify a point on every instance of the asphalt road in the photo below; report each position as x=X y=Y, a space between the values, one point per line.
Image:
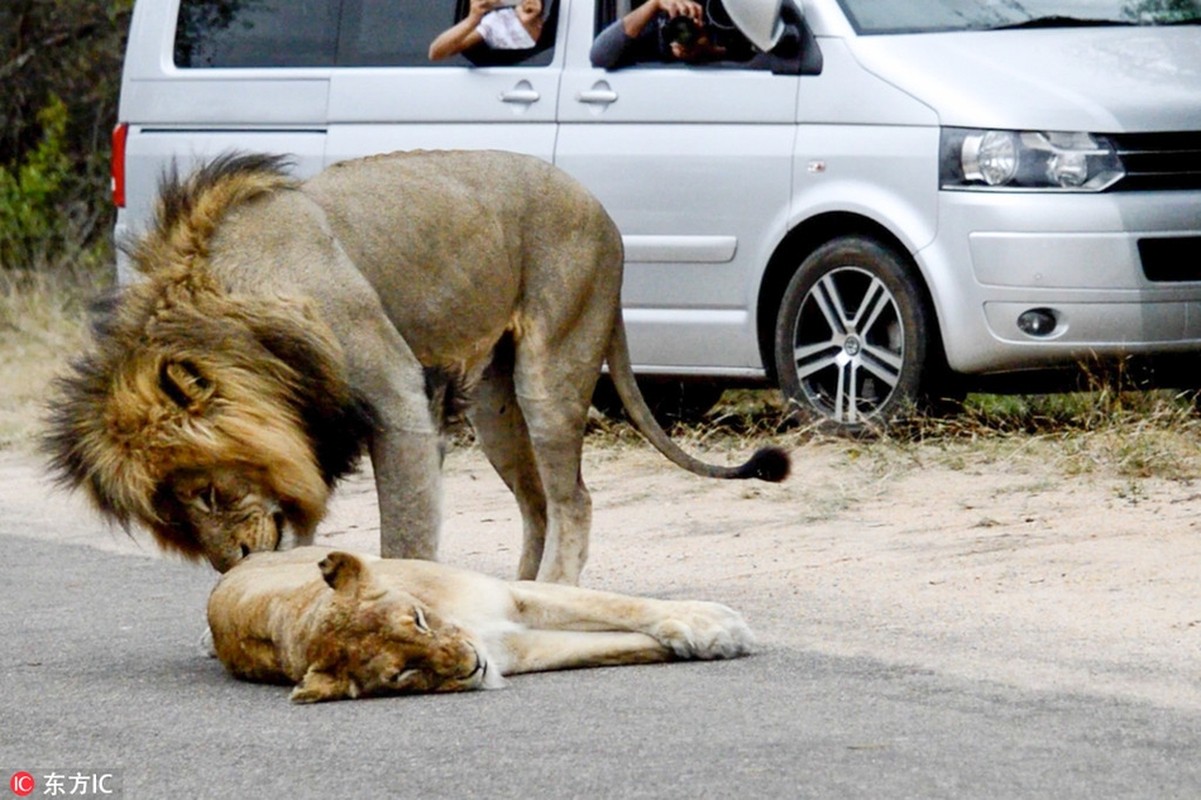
x=102 y=673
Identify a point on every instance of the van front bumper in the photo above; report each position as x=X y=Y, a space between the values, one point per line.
x=1119 y=273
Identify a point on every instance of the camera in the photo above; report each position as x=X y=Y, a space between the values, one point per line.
x=682 y=30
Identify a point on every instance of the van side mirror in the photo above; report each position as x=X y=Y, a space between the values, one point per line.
x=797 y=51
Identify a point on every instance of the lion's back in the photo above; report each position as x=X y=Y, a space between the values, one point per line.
x=499 y=174
x=429 y=187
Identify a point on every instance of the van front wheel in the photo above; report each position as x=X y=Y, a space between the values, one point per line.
x=851 y=336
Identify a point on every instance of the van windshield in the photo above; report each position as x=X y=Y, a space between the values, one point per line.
x=922 y=16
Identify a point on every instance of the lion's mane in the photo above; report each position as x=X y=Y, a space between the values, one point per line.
x=183 y=374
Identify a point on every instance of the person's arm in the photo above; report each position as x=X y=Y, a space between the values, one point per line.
x=610 y=49
x=636 y=21
x=462 y=35
x=614 y=44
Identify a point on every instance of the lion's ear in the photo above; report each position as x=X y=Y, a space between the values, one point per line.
x=318 y=686
x=343 y=572
x=185 y=384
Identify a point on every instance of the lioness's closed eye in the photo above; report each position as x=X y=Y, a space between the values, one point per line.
x=341 y=626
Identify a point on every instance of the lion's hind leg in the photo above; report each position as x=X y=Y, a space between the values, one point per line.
x=543 y=650
x=553 y=386
x=687 y=628
x=501 y=429
x=556 y=436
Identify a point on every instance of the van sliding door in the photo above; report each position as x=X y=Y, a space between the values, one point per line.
x=694 y=163
x=386 y=93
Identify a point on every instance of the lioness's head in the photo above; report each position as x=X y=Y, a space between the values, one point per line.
x=375 y=640
x=216 y=420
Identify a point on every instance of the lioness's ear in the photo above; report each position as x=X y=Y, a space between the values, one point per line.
x=317 y=687
x=343 y=572
x=183 y=382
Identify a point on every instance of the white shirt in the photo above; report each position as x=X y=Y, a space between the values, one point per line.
x=502 y=30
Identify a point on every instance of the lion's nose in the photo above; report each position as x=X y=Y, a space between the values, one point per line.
x=225 y=561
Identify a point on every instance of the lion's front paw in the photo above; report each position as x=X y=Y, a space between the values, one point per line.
x=207 y=648
x=704 y=630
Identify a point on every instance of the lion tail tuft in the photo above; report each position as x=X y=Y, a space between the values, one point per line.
x=770 y=464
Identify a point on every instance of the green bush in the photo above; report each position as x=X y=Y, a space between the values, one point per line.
x=31 y=222
x=60 y=66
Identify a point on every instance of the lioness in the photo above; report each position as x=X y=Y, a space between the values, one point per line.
x=283 y=325
x=343 y=626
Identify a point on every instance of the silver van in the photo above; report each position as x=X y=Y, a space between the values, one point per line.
x=904 y=195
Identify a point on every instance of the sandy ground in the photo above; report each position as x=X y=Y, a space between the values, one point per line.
x=1003 y=571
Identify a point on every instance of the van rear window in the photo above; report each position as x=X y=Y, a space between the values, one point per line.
x=326 y=33
x=256 y=33
x=392 y=33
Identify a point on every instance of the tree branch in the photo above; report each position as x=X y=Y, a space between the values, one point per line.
x=53 y=40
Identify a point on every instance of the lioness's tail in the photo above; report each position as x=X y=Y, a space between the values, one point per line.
x=767 y=464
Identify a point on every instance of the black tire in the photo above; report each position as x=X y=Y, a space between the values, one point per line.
x=671 y=400
x=852 y=337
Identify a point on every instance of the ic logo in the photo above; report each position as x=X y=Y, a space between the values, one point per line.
x=22 y=784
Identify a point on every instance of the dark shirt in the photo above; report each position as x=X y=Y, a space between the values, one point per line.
x=614 y=48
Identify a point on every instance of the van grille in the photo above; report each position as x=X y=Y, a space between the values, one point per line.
x=1159 y=160
x=1171 y=259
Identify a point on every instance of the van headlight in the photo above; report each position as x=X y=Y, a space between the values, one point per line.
x=1032 y=160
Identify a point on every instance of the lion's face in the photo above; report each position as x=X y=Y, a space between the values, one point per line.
x=219 y=422
x=230 y=511
x=373 y=640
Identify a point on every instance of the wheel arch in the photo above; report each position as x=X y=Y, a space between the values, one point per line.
x=803 y=240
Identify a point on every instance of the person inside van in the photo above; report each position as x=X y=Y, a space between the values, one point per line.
x=686 y=31
x=658 y=30
x=499 y=24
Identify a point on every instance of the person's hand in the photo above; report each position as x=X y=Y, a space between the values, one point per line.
x=481 y=7
x=702 y=50
x=683 y=8
x=636 y=21
x=529 y=11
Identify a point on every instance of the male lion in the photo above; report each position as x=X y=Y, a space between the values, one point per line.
x=281 y=326
x=344 y=626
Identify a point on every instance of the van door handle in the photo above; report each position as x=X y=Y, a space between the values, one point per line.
x=523 y=94
x=601 y=94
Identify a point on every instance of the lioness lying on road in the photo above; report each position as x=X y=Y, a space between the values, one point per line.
x=344 y=626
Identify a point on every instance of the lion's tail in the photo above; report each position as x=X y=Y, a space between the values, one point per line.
x=767 y=464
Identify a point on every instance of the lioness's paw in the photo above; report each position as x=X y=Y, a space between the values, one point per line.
x=207 y=648
x=704 y=630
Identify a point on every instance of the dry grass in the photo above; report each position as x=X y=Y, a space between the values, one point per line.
x=1105 y=432
x=42 y=326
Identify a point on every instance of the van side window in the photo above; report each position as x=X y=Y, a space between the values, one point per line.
x=256 y=33
x=394 y=33
x=325 y=33
x=694 y=33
